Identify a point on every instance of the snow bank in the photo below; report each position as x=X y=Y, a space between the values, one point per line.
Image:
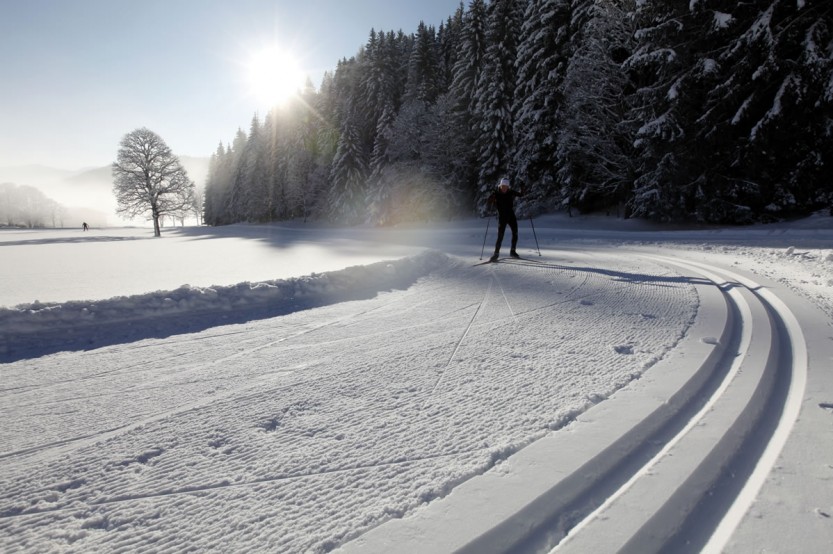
x=42 y=328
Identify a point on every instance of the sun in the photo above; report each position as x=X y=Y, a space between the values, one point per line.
x=274 y=76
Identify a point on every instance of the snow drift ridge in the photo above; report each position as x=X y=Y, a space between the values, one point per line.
x=31 y=330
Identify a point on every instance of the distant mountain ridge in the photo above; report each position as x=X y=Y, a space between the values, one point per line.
x=40 y=175
x=33 y=175
x=87 y=188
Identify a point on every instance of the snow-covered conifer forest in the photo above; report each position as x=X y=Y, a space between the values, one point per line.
x=706 y=110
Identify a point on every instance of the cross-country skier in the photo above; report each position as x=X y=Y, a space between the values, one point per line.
x=503 y=199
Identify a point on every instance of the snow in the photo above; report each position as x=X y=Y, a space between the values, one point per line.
x=791 y=82
x=722 y=20
x=300 y=388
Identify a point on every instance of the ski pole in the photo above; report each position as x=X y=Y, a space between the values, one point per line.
x=484 y=237
x=535 y=235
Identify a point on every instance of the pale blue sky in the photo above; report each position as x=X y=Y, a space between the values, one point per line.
x=76 y=75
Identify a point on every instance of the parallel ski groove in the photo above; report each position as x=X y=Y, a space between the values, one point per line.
x=673 y=524
x=683 y=446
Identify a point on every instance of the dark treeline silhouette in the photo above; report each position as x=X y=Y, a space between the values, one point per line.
x=705 y=110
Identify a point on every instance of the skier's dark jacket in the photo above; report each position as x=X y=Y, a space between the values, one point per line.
x=504 y=202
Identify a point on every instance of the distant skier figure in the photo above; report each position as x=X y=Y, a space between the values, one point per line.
x=503 y=199
x=85 y=227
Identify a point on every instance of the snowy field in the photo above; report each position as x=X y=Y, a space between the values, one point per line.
x=291 y=388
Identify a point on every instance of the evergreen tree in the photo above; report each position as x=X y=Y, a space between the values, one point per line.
x=424 y=75
x=238 y=187
x=461 y=120
x=449 y=43
x=274 y=203
x=379 y=85
x=594 y=153
x=469 y=65
x=541 y=64
x=257 y=171
x=733 y=109
x=217 y=187
x=671 y=68
x=299 y=154
x=347 y=199
x=771 y=112
x=248 y=193
x=380 y=194
x=706 y=108
x=495 y=92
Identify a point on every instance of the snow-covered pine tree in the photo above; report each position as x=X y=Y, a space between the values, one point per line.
x=259 y=173
x=541 y=63
x=382 y=80
x=459 y=106
x=733 y=109
x=237 y=185
x=343 y=93
x=347 y=201
x=495 y=93
x=250 y=193
x=446 y=159
x=372 y=78
x=274 y=137
x=379 y=189
x=671 y=70
x=449 y=43
x=769 y=120
x=594 y=151
x=217 y=187
x=466 y=70
x=424 y=74
x=320 y=140
x=302 y=153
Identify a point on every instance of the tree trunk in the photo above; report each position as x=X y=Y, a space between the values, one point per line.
x=157 y=232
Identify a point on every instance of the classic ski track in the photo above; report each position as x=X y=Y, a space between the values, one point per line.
x=789 y=416
x=784 y=330
x=664 y=527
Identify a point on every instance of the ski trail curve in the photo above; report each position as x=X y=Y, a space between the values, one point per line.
x=702 y=421
x=798 y=383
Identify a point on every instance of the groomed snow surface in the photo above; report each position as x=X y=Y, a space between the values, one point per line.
x=291 y=388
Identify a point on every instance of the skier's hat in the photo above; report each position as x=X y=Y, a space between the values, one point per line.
x=503 y=182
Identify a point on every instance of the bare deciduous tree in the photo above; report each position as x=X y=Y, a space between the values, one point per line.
x=149 y=178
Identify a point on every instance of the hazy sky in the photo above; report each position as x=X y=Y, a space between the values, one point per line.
x=77 y=75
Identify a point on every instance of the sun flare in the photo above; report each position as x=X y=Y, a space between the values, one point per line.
x=274 y=76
